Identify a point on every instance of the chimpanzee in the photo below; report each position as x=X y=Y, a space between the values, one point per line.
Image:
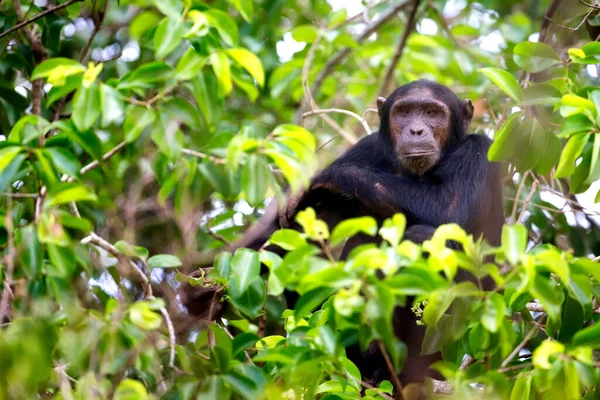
x=422 y=163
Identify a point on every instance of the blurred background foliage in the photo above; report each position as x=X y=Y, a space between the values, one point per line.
x=139 y=138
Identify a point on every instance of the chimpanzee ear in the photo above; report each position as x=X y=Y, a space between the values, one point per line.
x=467 y=111
x=380 y=101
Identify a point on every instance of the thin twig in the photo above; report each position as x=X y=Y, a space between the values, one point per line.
x=98 y=19
x=343 y=53
x=308 y=97
x=467 y=362
x=38 y=203
x=112 y=250
x=171 y=330
x=569 y=28
x=526 y=339
x=394 y=376
x=38 y=16
x=20 y=195
x=513 y=215
x=410 y=23
x=105 y=157
x=528 y=200
x=340 y=111
x=514 y=367
x=597 y=7
x=546 y=21
x=203 y=156
x=217 y=236
x=142 y=278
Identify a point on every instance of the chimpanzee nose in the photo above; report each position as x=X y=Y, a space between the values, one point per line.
x=417 y=132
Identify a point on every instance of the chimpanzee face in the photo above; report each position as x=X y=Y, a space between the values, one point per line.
x=420 y=123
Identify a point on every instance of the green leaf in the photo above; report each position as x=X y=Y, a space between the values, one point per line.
x=170 y=8
x=112 y=105
x=130 y=389
x=548 y=348
x=574 y=124
x=522 y=388
x=353 y=226
x=29 y=250
x=288 y=239
x=142 y=315
x=535 y=57
x=589 y=336
x=594 y=174
x=67 y=192
x=142 y=23
x=86 y=106
x=167 y=37
x=493 y=313
x=62 y=261
x=550 y=154
x=249 y=62
x=250 y=300
x=243 y=341
x=530 y=145
x=167 y=135
x=393 y=228
x=86 y=139
x=146 y=76
x=222 y=69
x=189 y=65
x=245 y=267
x=224 y=24
x=304 y=33
x=7 y=154
x=247 y=380
x=244 y=7
x=136 y=120
x=504 y=141
x=505 y=81
x=572 y=151
x=164 y=261
x=8 y=172
x=296 y=133
x=541 y=94
x=27 y=128
x=514 y=242
x=58 y=92
x=64 y=161
x=66 y=66
x=572 y=104
x=550 y=295
x=214 y=388
x=256 y=177
x=311 y=300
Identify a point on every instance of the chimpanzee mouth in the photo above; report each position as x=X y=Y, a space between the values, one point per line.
x=420 y=154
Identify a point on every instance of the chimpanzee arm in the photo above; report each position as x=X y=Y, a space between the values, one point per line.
x=455 y=191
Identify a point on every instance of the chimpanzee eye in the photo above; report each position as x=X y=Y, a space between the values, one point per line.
x=432 y=111
x=403 y=110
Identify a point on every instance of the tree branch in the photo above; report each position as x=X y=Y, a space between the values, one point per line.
x=526 y=339
x=36 y=17
x=393 y=375
x=410 y=24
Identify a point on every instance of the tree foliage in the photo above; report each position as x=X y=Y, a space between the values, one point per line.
x=140 y=137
